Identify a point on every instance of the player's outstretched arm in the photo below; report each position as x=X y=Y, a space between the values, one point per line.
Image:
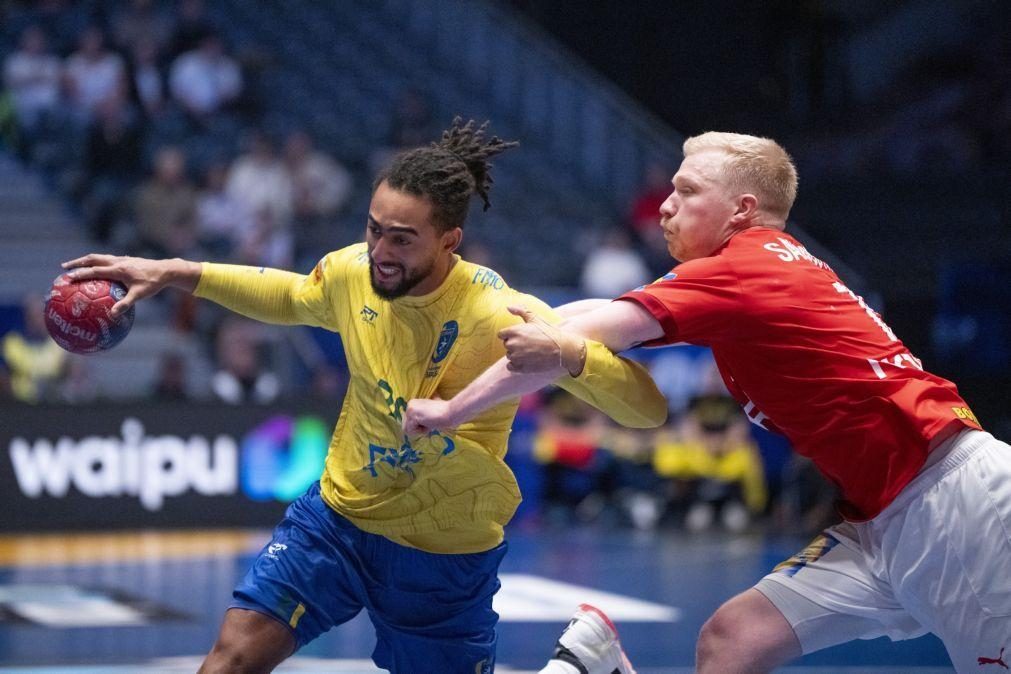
x=264 y=294
x=571 y=309
x=539 y=354
x=142 y=277
x=621 y=388
x=618 y=325
x=493 y=386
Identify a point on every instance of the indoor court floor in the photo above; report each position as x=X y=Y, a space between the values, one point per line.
x=151 y=601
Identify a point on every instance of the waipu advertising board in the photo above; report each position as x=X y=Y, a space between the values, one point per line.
x=157 y=465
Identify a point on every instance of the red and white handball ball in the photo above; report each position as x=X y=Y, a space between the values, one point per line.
x=77 y=314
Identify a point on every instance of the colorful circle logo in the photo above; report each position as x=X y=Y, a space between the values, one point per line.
x=283 y=456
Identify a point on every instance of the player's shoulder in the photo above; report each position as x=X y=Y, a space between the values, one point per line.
x=704 y=272
x=485 y=292
x=355 y=255
x=338 y=263
x=699 y=268
x=481 y=280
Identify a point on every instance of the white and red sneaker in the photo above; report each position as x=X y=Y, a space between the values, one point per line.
x=590 y=644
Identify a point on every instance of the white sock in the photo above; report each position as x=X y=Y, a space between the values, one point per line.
x=559 y=667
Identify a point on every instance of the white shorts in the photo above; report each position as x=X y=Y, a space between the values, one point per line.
x=937 y=559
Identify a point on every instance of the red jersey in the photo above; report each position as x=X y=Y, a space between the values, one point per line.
x=806 y=357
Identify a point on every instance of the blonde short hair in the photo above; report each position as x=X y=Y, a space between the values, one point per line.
x=757 y=165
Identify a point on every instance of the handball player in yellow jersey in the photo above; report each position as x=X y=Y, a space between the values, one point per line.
x=406 y=525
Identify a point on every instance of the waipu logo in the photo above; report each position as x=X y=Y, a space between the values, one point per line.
x=447 y=337
x=277 y=459
x=283 y=456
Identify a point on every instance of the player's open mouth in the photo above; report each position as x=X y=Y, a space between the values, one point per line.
x=385 y=272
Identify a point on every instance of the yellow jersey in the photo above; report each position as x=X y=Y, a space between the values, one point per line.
x=449 y=492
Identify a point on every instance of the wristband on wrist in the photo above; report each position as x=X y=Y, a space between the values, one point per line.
x=572 y=355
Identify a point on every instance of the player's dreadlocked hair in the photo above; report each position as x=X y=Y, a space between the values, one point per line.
x=448 y=172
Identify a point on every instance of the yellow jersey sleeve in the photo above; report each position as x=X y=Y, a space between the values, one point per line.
x=277 y=296
x=618 y=387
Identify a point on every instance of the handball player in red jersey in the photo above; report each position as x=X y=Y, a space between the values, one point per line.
x=924 y=543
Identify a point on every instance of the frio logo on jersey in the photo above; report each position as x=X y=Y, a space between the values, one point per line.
x=487 y=278
x=283 y=456
x=447 y=337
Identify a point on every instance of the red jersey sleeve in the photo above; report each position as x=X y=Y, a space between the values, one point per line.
x=698 y=302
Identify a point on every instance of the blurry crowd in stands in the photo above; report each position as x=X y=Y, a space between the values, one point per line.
x=142 y=115
x=706 y=469
x=137 y=114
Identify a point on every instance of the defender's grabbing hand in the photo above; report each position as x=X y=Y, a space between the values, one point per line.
x=537 y=346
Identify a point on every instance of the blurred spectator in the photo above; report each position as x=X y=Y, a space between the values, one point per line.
x=5 y=382
x=626 y=485
x=321 y=185
x=613 y=267
x=321 y=188
x=32 y=75
x=223 y=220
x=807 y=501
x=566 y=444
x=206 y=79
x=192 y=26
x=79 y=385
x=713 y=466
x=61 y=20
x=261 y=181
x=94 y=76
x=141 y=21
x=165 y=207
x=35 y=362
x=412 y=125
x=683 y=373
x=644 y=218
x=111 y=161
x=146 y=80
x=241 y=376
x=268 y=244
x=171 y=382
x=412 y=120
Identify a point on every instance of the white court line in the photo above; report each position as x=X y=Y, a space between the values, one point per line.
x=528 y=598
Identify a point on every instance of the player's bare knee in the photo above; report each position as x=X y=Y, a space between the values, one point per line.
x=719 y=645
x=225 y=657
x=231 y=657
x=742 y=636
x=248 y=644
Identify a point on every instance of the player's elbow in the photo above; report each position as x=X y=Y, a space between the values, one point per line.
x=649 y=415
x=653 y=416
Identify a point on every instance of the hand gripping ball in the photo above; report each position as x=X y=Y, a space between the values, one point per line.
x=77 y=314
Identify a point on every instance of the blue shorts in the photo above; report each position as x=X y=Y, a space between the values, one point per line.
x=431 y=612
